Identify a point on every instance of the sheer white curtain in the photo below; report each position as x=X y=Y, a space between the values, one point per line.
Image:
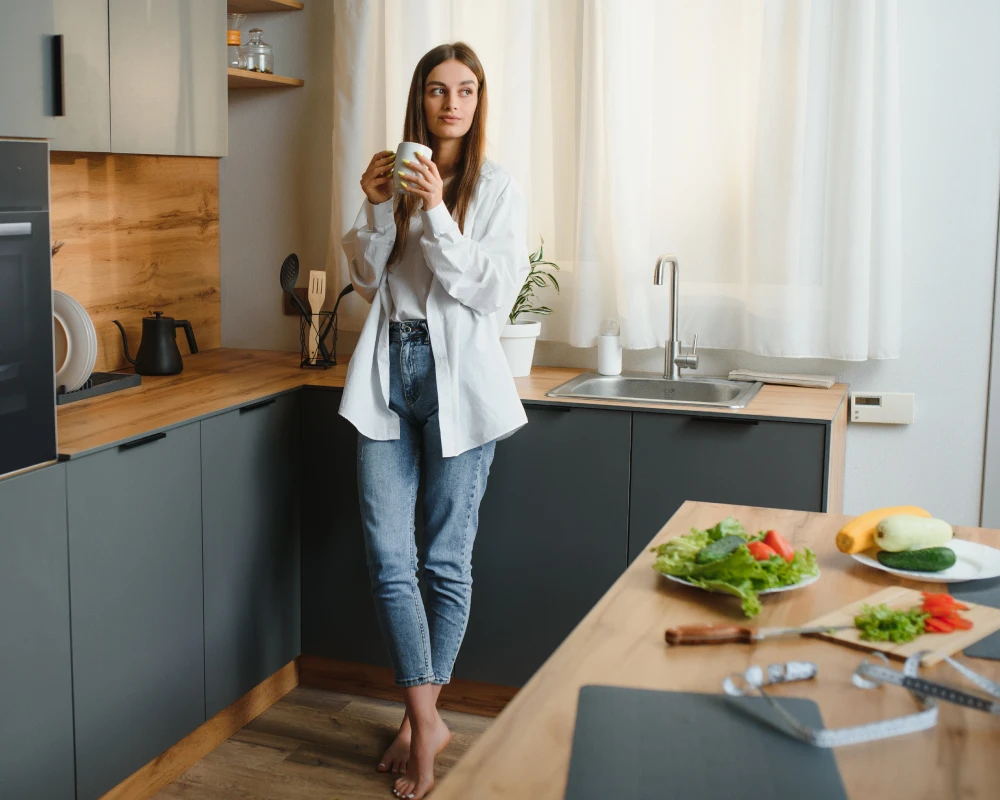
x=756 y=140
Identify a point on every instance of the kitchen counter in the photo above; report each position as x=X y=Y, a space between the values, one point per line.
x=526 y=752
x=215 y=380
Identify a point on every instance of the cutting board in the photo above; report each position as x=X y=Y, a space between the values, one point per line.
x=985 y=620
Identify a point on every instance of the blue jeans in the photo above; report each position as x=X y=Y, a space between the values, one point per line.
x=422 y=642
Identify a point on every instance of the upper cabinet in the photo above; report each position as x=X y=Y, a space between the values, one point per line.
x=30 y=92
x=86 y=124
x=168 y=80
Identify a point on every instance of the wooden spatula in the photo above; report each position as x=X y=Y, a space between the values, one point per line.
x=317 y=294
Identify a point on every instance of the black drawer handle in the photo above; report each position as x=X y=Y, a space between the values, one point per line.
x=140 y=442
x=731 y=420
x=255 y=406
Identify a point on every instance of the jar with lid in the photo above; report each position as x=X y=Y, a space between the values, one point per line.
x=257 y=55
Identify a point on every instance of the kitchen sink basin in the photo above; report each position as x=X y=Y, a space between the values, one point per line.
x=645 y=387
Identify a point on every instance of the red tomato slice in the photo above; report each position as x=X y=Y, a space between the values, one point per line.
x=780 y=545
x=938 y=625
x=760 y=551
x=961 y=623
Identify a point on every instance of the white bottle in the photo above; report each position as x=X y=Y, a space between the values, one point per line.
x=609 y=348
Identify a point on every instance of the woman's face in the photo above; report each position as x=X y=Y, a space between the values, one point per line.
x=451 y=94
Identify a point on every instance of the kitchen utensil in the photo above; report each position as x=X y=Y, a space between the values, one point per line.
x=288 y=276
x=800 y=585
x=645 y=745
x=75 y=342
x=985 y=593
x=317 y=294
x=406 y=151
x=158 y=352
x=257 y=55
x=739 y=634
x=973 y=562
x=984 y=620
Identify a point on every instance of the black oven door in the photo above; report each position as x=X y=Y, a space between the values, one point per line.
x=27 y=377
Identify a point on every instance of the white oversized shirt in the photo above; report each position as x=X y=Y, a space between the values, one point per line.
x=477 y=277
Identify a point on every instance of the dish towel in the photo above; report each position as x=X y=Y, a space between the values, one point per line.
x=811 y=381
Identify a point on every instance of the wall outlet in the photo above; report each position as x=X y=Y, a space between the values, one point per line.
x=286 y=302
x=887 y=408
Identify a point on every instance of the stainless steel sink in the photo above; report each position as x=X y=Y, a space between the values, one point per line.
x=650 y=388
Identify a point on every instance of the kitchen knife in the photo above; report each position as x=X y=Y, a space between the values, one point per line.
x=724 y=634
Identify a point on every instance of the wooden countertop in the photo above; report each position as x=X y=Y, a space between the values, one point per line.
x=526 y=752
x=218 y=379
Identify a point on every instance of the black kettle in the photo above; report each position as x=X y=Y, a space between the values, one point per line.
x=158 y=353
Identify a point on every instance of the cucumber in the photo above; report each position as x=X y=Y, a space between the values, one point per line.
x=719 y=549
x=906 y=532
x=930 y=559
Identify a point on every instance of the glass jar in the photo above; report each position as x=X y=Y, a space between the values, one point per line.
x=234 y=24
x=258 y=56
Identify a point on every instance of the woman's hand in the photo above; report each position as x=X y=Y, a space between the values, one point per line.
x=423 y=180
x=376 y=183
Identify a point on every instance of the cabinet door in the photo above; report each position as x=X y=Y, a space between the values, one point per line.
x=86 y=123
x=338 y=616
x=36 y=682
x=31 y=83
x=137 y=617
x=678 y=457
x=169 y=92
x=553 y=536
x=250 y=509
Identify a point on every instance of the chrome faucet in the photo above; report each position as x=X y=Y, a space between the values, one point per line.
x=673 y=359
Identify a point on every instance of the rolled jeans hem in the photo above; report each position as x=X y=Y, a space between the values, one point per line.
x=406 y=683
x=441 y=681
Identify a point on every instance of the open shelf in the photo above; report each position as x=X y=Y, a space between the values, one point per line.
x=257 y=6
x=242 y=79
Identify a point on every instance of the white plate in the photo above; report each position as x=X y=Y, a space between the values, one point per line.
x=800 y=585
x=75 y=340
x=973 y=562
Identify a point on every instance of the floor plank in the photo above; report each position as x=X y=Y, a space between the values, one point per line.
x=312 y=745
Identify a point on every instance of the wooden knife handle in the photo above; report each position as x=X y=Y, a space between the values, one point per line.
x=709 y=634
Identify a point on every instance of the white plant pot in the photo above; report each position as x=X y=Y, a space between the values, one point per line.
x=518 y=342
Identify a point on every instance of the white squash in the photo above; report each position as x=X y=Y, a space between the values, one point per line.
x=907 y=532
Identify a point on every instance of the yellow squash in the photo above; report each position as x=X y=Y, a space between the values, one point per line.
x=859 y=534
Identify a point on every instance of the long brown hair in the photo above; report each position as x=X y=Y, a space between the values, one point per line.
x=458 y=193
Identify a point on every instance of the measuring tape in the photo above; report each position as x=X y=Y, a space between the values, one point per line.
x=866 y=676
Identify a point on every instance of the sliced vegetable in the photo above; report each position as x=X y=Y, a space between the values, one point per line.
x=760 y=551
x=883 y=624
x=899 y=532
x=961 y=623
x=930 y=559
x=935 y=625
x=719 y=549
x=859 y=534
x=780 y=545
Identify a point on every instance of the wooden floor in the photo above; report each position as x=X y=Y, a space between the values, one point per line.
x=313 y=744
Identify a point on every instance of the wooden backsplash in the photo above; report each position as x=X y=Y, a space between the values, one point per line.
x=141 y=234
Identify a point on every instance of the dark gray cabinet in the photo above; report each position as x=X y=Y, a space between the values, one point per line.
x=31 y=86
x=250 y=509
x=338 y=616
x=36 y=679
x=731 y=459
x=137 y=616
x=552 y=538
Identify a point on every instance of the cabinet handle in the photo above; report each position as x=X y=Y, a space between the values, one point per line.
x=254 y=406
x=144 y=440
x=58 y=77
x=15 y=229
x=731 y=420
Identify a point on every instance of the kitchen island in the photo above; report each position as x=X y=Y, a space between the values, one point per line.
x=526 y=752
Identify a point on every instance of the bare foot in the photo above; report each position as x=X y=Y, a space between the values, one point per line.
x=395 y=758
x=427 y=741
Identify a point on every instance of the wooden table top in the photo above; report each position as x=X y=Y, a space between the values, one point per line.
x=525 y=753
x=214 y=380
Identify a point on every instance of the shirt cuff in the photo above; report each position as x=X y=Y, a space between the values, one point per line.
x=438 y=220
x=379 y=217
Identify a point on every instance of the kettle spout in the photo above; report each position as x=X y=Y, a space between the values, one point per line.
x=124 y=342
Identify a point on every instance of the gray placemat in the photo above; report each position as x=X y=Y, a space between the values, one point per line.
x=636 y=744
x=986 y=593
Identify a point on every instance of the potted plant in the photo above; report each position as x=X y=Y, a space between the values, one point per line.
x=518 y=338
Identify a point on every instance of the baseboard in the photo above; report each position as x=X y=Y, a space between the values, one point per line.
x=171 y=764
x=472 y=697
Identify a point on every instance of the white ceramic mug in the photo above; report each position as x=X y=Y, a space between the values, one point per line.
x=406 y=151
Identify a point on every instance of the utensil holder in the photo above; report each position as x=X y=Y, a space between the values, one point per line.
x=326 y=324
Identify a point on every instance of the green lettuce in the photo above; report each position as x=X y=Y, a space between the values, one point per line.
x=738 y=574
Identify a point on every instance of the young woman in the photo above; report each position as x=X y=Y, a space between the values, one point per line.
x=428 y=387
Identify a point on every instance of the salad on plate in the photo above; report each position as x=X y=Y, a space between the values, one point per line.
x=726 y=558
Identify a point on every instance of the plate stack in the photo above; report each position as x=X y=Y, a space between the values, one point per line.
x=75 y=343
